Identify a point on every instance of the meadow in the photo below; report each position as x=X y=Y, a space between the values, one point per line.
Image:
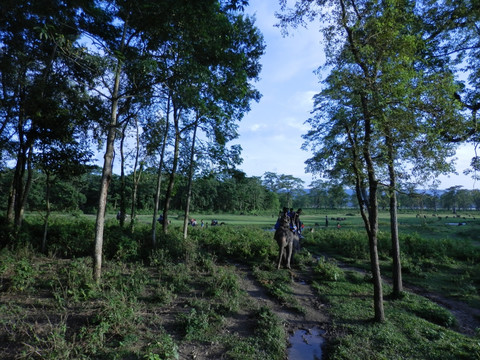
x=187 y=296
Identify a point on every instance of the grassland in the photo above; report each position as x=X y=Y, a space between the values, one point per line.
x=185 y=298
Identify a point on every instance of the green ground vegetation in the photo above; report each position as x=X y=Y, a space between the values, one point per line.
x=51 y=307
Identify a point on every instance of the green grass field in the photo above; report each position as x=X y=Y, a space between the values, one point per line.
x=74 y=318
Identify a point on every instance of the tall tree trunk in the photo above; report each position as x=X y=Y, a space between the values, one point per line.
x=159 y=178
x=171 y=179
x=396 y=265
x=23 y=189
x=136 y=180
x=107 y=170
x=373 y=222
x=47 y=215
x=190 y=176
x=123 y=185
x=369 y=211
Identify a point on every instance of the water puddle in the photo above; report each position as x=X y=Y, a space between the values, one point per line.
x=306 y=344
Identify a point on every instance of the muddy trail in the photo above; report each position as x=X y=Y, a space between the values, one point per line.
x=315 y=313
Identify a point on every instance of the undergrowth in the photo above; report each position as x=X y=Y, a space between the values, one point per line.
x=52 y=308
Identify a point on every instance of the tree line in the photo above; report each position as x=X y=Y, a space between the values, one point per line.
x=232 y=192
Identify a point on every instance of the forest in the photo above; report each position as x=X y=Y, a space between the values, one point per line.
x=155 y=91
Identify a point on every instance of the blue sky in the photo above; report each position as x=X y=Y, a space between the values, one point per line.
x=270 y=134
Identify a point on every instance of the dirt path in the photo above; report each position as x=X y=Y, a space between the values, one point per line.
x=242 y=323
x=314 y=311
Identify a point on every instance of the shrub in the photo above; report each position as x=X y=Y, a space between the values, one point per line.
x=163 y=349
x=244 y=244
x=327 y=270
x=78 y=280
x=348 y=243
x=23 y=275
x=119 y=244
x=71 y=237
x=270 y=333
x=201 y=322
x=432 y=312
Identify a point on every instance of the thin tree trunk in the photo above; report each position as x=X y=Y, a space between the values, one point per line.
x=23 y=190
x=123 y=201
x=369 y=212
x=107 y=171
x=159 y=178
x=47 y=215
x=136 y=180
x=373 y=217
x=396 y=265
x=190 y=176
x=171 y=179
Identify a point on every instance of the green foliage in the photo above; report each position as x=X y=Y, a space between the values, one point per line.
x=177 y=276
x=327 y=270
x=418 y=247
x=23 y=275
x=278 y=284
x=430 y=311
x=70 y=236
x=270 y=333
x=243 y=243
x=201 y=322
x=76 y=281
x=224 y=287
x=352 y=244
x=119 y=243
x=163 y=349
x=121 y=318
x=411 y=330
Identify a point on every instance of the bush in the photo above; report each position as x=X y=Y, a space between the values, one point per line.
x=327 y=270
x=270 y=333
x=244 y=244
x=119 y=244
x=432 y=312
x=71 y=237
x=349 y=243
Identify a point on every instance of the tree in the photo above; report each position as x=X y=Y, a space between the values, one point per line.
x=40 y=95
x=212 y=76
x=286 y=186
x=391 y=100
x=449 y=198
x=59 y=161
x=453 y=27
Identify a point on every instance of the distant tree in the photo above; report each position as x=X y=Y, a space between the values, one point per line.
x=59 y=161
x=464 y=199
x=449 y=198
x=476 y=199
x=286 y=186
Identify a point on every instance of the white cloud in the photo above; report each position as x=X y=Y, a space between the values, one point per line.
x=257 y=127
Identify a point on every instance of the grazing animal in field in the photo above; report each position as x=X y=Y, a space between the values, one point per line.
x=286 y=240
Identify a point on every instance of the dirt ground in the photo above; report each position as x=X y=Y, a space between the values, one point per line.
x=316 y=313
